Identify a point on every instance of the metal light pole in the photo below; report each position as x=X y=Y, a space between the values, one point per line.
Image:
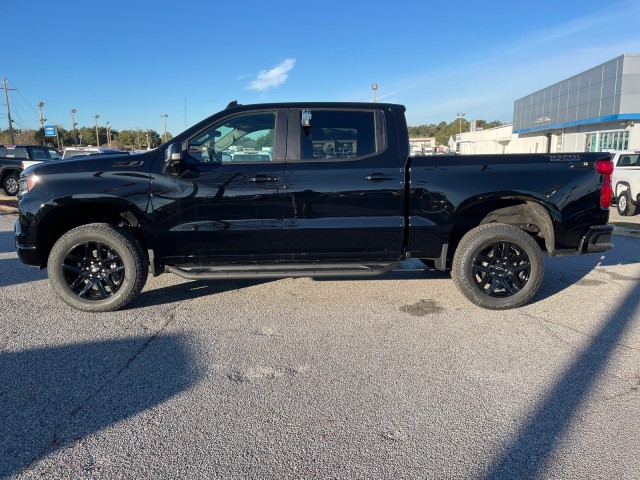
x=97 y=136
x=73 y=125
x=164 y=137
x=40 y=105
x=460 y=115
x=108 y=134
x=374 y=87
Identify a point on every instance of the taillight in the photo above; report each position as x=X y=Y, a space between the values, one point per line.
x=604 y=167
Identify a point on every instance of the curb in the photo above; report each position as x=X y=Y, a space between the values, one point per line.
x=626 y=232
x=5 y=210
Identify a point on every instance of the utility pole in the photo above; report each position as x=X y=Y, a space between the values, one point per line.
x=40 y=105
x=6 y=96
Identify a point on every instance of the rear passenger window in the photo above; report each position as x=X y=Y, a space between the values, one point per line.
x=39 y=153
x=342 y=135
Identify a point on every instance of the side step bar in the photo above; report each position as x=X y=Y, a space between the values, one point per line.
x=283 y=270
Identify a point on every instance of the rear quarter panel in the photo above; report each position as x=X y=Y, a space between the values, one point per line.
x=444 y=187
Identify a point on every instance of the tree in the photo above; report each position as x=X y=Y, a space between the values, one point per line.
x=265 y=140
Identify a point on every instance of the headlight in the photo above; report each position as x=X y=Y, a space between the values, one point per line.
x=27 y=183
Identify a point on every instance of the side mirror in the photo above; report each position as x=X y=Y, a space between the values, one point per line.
x=173 y=153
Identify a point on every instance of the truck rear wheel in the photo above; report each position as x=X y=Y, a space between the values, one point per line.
x=498 y=266
x=97 y=267
x=625 y=207
x=11 y=184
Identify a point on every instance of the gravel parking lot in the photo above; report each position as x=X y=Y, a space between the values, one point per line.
x=394 y=377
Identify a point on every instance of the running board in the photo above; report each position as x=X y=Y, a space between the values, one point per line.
x=283 y=270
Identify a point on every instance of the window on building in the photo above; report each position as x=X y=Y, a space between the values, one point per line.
x=598 y=142
x=613 y=140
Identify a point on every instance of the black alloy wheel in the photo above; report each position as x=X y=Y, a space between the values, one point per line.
x=93 y=270
x=498 y=266
x=501 y=269
x=97 y=267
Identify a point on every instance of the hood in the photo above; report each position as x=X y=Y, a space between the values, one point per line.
x=95 y=163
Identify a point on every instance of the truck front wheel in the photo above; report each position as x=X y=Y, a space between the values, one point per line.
x=498 y=266
x=97 y=267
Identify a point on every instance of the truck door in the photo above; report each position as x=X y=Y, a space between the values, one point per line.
x=224 y=200
x=344 y=184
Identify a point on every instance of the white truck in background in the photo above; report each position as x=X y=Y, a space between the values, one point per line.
x=626 y=181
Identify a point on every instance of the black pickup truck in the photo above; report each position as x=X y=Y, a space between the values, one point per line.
x=11 y=159
x=313 y=189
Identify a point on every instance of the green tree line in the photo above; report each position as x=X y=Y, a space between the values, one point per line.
x=443 y=130
x=128 y=139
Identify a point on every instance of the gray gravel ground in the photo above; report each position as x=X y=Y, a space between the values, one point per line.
x=395 y=377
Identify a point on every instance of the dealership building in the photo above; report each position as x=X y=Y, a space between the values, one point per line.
x=595 y=110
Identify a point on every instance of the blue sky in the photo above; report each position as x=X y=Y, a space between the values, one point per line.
x=130 y=62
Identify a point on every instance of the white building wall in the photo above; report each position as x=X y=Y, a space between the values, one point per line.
x=572 y=139
x=500 y=140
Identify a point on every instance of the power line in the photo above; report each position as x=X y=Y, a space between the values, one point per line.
x=27 y=103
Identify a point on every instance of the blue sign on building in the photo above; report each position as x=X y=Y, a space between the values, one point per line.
x=50 y=131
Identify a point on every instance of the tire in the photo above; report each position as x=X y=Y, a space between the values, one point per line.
x=498 y=266
x=97 y=267
x=624 y=206
x=11 y=184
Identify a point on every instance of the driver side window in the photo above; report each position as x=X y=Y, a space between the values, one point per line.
x=243 y=138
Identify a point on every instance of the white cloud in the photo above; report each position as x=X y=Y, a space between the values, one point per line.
x=268 y=79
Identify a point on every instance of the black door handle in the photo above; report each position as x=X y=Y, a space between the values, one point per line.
x=379 y=177
x=263 y=179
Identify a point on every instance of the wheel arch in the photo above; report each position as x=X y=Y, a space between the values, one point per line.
x=625 y=186
x=527 y=214
x=8 y=172
x=55 y=222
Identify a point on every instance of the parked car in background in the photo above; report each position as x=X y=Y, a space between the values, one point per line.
x=626 y=181
x=86 y=151
x=14 y=158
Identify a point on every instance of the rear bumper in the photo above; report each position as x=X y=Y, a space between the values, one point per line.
x=596 y=239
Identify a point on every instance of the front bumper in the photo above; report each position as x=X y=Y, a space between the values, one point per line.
x=596 y=239
x=26 y=253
